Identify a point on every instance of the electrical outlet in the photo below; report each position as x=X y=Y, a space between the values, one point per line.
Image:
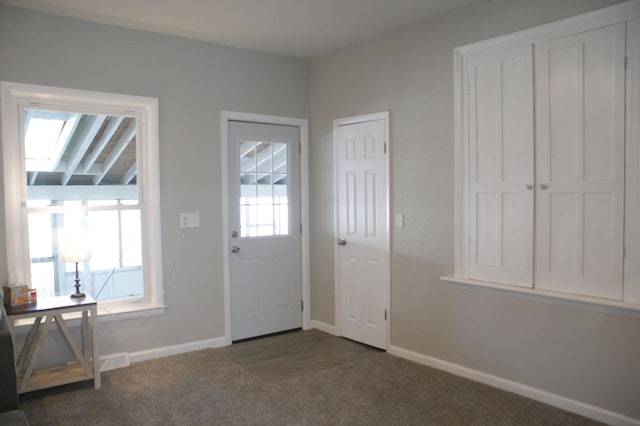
x=189 y=220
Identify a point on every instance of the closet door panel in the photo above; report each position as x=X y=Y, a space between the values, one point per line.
x=565 y=112
x=500 y=114
x=580 y=162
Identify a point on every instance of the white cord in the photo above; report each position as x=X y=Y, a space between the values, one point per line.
x=174 y=268
x=178 y=260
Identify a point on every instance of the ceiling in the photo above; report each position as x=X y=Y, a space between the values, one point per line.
x=297 y=28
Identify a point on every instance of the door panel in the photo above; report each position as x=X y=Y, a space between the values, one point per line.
x=363 y=274
x=500 y=116
x=580 y=162
x=264 y=219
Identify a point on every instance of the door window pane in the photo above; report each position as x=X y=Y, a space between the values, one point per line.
x=263 y=189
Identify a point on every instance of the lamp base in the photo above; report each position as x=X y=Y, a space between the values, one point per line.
x=78 y=294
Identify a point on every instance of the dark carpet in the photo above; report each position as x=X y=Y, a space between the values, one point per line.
x=302 y=378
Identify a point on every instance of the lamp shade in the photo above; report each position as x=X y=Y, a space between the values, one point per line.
x=75 y=245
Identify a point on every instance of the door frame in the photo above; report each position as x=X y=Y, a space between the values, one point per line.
x=303 y=125
x=384 y=115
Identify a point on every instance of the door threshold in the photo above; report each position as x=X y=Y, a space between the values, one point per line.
x=277 y=333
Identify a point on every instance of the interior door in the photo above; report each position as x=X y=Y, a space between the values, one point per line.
x=264 y=219
x=362 y=231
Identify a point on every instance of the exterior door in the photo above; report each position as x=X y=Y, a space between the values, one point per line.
x=362 y=238
x=264 y=219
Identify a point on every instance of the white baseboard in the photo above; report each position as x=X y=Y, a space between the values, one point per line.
x=581 y=408
x=177 y=349
x=322 y=326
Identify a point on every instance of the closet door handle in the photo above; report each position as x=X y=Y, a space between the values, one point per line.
x=543 y=186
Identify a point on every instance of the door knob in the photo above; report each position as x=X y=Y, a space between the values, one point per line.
x=235 y=249
x=543 y=186
x=342 y=242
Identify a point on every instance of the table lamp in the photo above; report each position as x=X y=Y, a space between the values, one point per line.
x=75 y=246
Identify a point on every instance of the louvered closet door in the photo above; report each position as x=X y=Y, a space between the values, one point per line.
x=500 y=116
x=580 y=162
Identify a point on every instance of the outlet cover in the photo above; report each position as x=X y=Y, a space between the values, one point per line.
x=189 y=220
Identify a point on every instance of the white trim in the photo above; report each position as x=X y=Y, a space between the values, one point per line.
x=598 y=18
x=16 y=253
x=182 y=348
x=385 y=116
x=632 y=184
x=461 y=167
x=573 y=300
x=324 y=327
x=564 y=403
x=145 y=109
x=303 y=125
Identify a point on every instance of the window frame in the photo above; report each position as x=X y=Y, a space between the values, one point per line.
x=17 y=96
x=625 y=12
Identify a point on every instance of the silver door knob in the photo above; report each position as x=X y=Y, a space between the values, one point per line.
x=342 y=242
x=235 y=249
x=543 y=186
x=529 y=186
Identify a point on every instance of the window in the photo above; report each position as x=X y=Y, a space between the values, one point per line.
x=83 y=160
x=264 y=208
x=547 y=172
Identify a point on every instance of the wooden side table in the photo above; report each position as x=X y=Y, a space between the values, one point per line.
x=44 y=312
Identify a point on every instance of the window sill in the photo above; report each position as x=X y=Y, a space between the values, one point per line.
x=116 y=312
x=583 y=302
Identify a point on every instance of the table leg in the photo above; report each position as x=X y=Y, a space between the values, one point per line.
x=33 y=356
x=27 y=348
x=94 y=346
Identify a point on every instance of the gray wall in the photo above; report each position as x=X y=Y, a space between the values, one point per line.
x=574 y=352
x=194 y=81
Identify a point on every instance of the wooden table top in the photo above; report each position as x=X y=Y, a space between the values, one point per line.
x=44 y=304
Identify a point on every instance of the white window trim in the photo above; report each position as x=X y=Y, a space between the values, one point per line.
x=13 y=97
x=630 y=12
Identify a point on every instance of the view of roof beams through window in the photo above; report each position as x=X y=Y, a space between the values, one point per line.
x=68 y=148
x=263 y=161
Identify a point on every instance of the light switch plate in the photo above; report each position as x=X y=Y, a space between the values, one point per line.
x=189 y=220
x=400 y=220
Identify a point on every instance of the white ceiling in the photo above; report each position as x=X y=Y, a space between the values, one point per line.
x=298 y=28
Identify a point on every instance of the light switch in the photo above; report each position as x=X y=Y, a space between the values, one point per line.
x=400 y=220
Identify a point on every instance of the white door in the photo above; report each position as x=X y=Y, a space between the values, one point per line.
x=580 y=95
x=264 y=223
x=362 y=229
x=500 y=117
